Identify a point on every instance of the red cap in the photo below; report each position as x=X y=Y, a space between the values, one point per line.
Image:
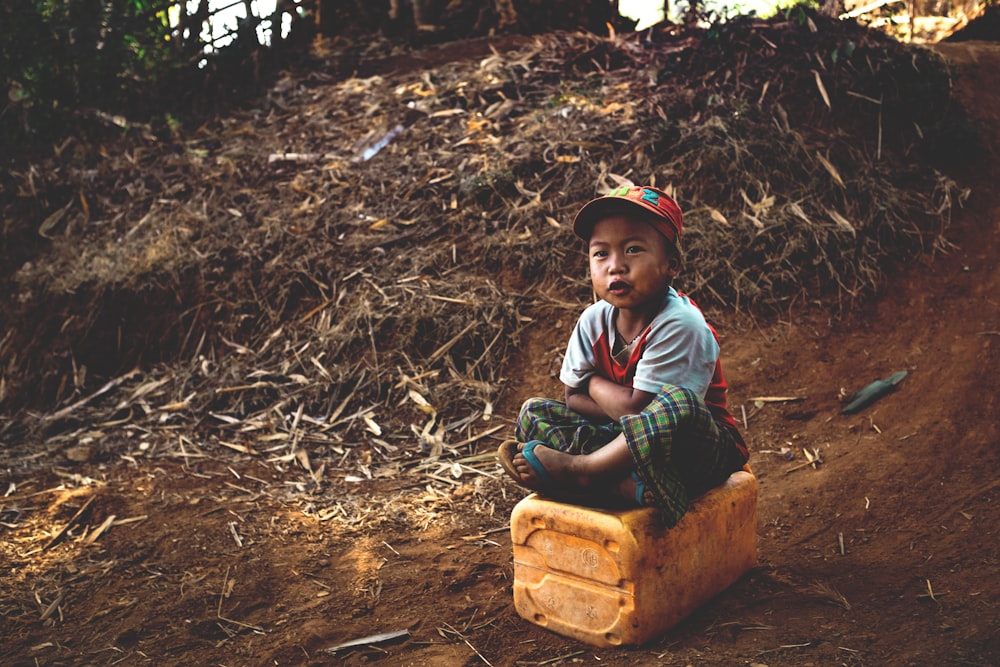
x=667 y=220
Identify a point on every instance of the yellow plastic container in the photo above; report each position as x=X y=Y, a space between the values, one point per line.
x=612 y=577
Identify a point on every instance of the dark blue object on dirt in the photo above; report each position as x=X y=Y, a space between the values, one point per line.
x=872 y=393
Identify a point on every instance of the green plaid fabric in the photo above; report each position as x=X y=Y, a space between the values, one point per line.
x=560 y=428
x=679 y=450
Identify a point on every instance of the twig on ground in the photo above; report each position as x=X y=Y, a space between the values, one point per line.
x=72 y=522
x=469 y=644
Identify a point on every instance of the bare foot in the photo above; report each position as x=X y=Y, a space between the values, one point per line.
x=574 y=472
x=563 y=469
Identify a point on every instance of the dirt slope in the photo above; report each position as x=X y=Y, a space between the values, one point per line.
x=219 y=566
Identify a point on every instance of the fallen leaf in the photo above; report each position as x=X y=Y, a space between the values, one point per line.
x=822 y=89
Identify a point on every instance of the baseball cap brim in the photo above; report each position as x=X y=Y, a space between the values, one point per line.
x=666 y=214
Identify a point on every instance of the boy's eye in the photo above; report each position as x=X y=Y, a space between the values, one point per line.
x=600 y=253
x=632 y=249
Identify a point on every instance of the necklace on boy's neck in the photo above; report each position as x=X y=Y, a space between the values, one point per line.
x=623 y=351
x=631 y=342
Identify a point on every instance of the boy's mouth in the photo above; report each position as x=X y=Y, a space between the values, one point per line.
x=618 y=287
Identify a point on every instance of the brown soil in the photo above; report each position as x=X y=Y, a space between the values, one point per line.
x=222 y=566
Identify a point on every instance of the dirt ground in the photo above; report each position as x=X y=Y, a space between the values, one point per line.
x=885 y=554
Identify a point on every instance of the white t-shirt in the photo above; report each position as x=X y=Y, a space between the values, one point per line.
x=677 y=348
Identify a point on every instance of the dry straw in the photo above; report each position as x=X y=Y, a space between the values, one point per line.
x=285 y=289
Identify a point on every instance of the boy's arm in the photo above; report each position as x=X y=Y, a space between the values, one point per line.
x=578 y=399
x=616 y=400
x=603 y=400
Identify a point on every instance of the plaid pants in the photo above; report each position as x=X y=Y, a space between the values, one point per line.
x=678 y=448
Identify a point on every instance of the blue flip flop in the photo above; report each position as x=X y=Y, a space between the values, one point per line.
x=640 y=488
x=548 y=486
x=528 y=452
x=506 y=454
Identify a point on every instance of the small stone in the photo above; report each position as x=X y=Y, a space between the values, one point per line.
x=79 y=453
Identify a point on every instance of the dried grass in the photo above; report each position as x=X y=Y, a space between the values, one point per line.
x=287 y=300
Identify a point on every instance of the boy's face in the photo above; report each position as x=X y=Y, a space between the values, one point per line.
x=631 y=264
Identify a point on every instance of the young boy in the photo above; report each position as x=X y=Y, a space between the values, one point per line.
x=645 y=416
